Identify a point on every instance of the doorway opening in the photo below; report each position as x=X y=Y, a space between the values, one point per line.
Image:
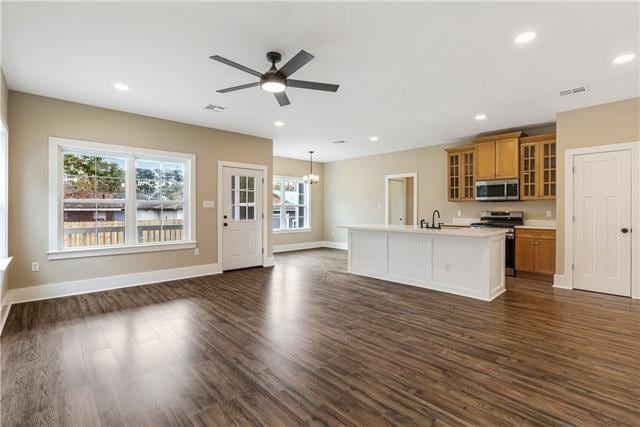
x=401 y=199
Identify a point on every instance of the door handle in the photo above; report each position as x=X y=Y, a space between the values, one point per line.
x=625 y=230
x=225 y=224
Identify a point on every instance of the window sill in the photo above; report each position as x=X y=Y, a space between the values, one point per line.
x=119 y=250
x=4 y=263
x=292 y=230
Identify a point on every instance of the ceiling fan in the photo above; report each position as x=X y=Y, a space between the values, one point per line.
x=277 y=80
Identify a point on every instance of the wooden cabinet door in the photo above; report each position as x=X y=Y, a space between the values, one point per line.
x=525 y=254
x=506 y=158
x=468 y=184
x=548 y=169
x=545 y=256
x=529 y=175
x=454 y=166
x=485 y=160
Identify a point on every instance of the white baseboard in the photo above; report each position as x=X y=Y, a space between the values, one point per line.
x=297 y=246
x=97 y=284
x=269 y=261
x=560 y=282
x=335 y=245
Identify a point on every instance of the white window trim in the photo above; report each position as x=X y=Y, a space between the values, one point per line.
x=306 y=229
x=4 y=190
x=56 y=193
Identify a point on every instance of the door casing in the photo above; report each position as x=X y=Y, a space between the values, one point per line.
x=566 y=280
x=267 y=260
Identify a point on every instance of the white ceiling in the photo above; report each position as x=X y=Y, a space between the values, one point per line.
x=413 y=74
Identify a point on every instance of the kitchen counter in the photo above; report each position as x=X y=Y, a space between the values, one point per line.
x=537 y=227
x=459 y=260
x=447 y=230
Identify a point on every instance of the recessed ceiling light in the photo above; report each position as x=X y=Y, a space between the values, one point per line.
x=481 y=116
x=525 y=37
x=121 y=86
x=279 y=123
x=373 y=139
x=624 y=58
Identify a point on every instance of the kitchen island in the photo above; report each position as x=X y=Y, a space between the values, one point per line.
x=461 y=261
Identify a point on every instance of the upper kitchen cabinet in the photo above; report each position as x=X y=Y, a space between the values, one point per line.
x=461 y=173
x=538 y=168
x=497 y=156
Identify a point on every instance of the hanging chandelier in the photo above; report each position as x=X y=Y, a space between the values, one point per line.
x=311 y=178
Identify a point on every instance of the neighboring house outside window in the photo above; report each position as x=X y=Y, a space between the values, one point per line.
x=120 y=199
x=291 y=204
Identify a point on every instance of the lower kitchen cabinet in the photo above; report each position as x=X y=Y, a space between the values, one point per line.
x=536 y=251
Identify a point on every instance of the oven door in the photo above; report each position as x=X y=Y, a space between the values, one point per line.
x=510 y=254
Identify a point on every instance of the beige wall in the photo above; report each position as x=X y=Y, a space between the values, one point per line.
x=604 y=124
x=298 y=168
x=354 y=190
x=34 y=118
x=4 y=98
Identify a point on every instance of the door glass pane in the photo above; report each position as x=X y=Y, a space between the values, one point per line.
x=243 y=197
x=243 y=213
x=251 y=197
x=251 y=213
x=243 y=182
x=251 y=183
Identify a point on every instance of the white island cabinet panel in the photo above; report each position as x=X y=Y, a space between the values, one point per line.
x=409 y=257
x=467 y=262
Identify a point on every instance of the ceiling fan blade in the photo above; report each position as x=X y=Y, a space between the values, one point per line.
x=303 y=84
x=295 y=63
x=282 y=98
x=235 y=65
x=233 y=89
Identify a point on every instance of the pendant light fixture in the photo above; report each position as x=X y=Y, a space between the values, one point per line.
x=311 y=178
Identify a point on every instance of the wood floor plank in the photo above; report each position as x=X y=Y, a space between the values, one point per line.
x=305 y=343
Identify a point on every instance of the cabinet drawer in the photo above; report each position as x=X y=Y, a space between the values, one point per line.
x=535 y=233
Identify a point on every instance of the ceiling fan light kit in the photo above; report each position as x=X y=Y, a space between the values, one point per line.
x=277 y=80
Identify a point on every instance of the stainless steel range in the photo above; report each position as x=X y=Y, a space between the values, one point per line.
x=508 y=220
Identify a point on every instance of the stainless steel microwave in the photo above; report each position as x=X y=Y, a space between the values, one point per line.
x=497 y=190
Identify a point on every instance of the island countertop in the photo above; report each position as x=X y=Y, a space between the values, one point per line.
x=454 y=231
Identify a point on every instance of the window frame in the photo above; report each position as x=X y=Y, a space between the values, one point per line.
x=4 y=193
x=307 y=228
x=57 y=148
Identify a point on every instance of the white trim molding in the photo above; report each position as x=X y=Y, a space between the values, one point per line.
x=297 y=246
x=120 y=250
x=413 y=175
x=98 y=284
x=336 y=245
x=265 y=207
x=567 y=281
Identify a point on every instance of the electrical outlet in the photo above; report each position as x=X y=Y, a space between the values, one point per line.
x=459 y=212
x=379 y=205
x=333 y=233
x=35 y=266
x=196 y=251
x=549 y=213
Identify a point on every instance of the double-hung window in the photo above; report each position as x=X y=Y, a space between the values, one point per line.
x=291 y=203
x=109 y=199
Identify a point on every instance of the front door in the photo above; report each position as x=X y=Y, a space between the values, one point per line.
x=242 y=218
x=602 y=222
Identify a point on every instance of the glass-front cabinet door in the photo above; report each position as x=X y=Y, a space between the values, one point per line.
x=453 y=167
x=529 y=170
x=548 y=169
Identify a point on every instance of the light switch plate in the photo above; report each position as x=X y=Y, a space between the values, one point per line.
x=208 y=204
x=196 y=251
x=35 y=266
x=549 y=213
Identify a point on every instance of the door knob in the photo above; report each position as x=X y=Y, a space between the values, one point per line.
x=625 y=230
x=225 y=224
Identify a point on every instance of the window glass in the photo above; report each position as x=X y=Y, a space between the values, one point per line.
x=290 y=204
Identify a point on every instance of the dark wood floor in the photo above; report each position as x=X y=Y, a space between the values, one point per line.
x=306 y=343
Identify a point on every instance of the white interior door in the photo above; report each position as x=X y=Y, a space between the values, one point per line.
x=397 y=200
x=242 y=218
x=602 y=222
